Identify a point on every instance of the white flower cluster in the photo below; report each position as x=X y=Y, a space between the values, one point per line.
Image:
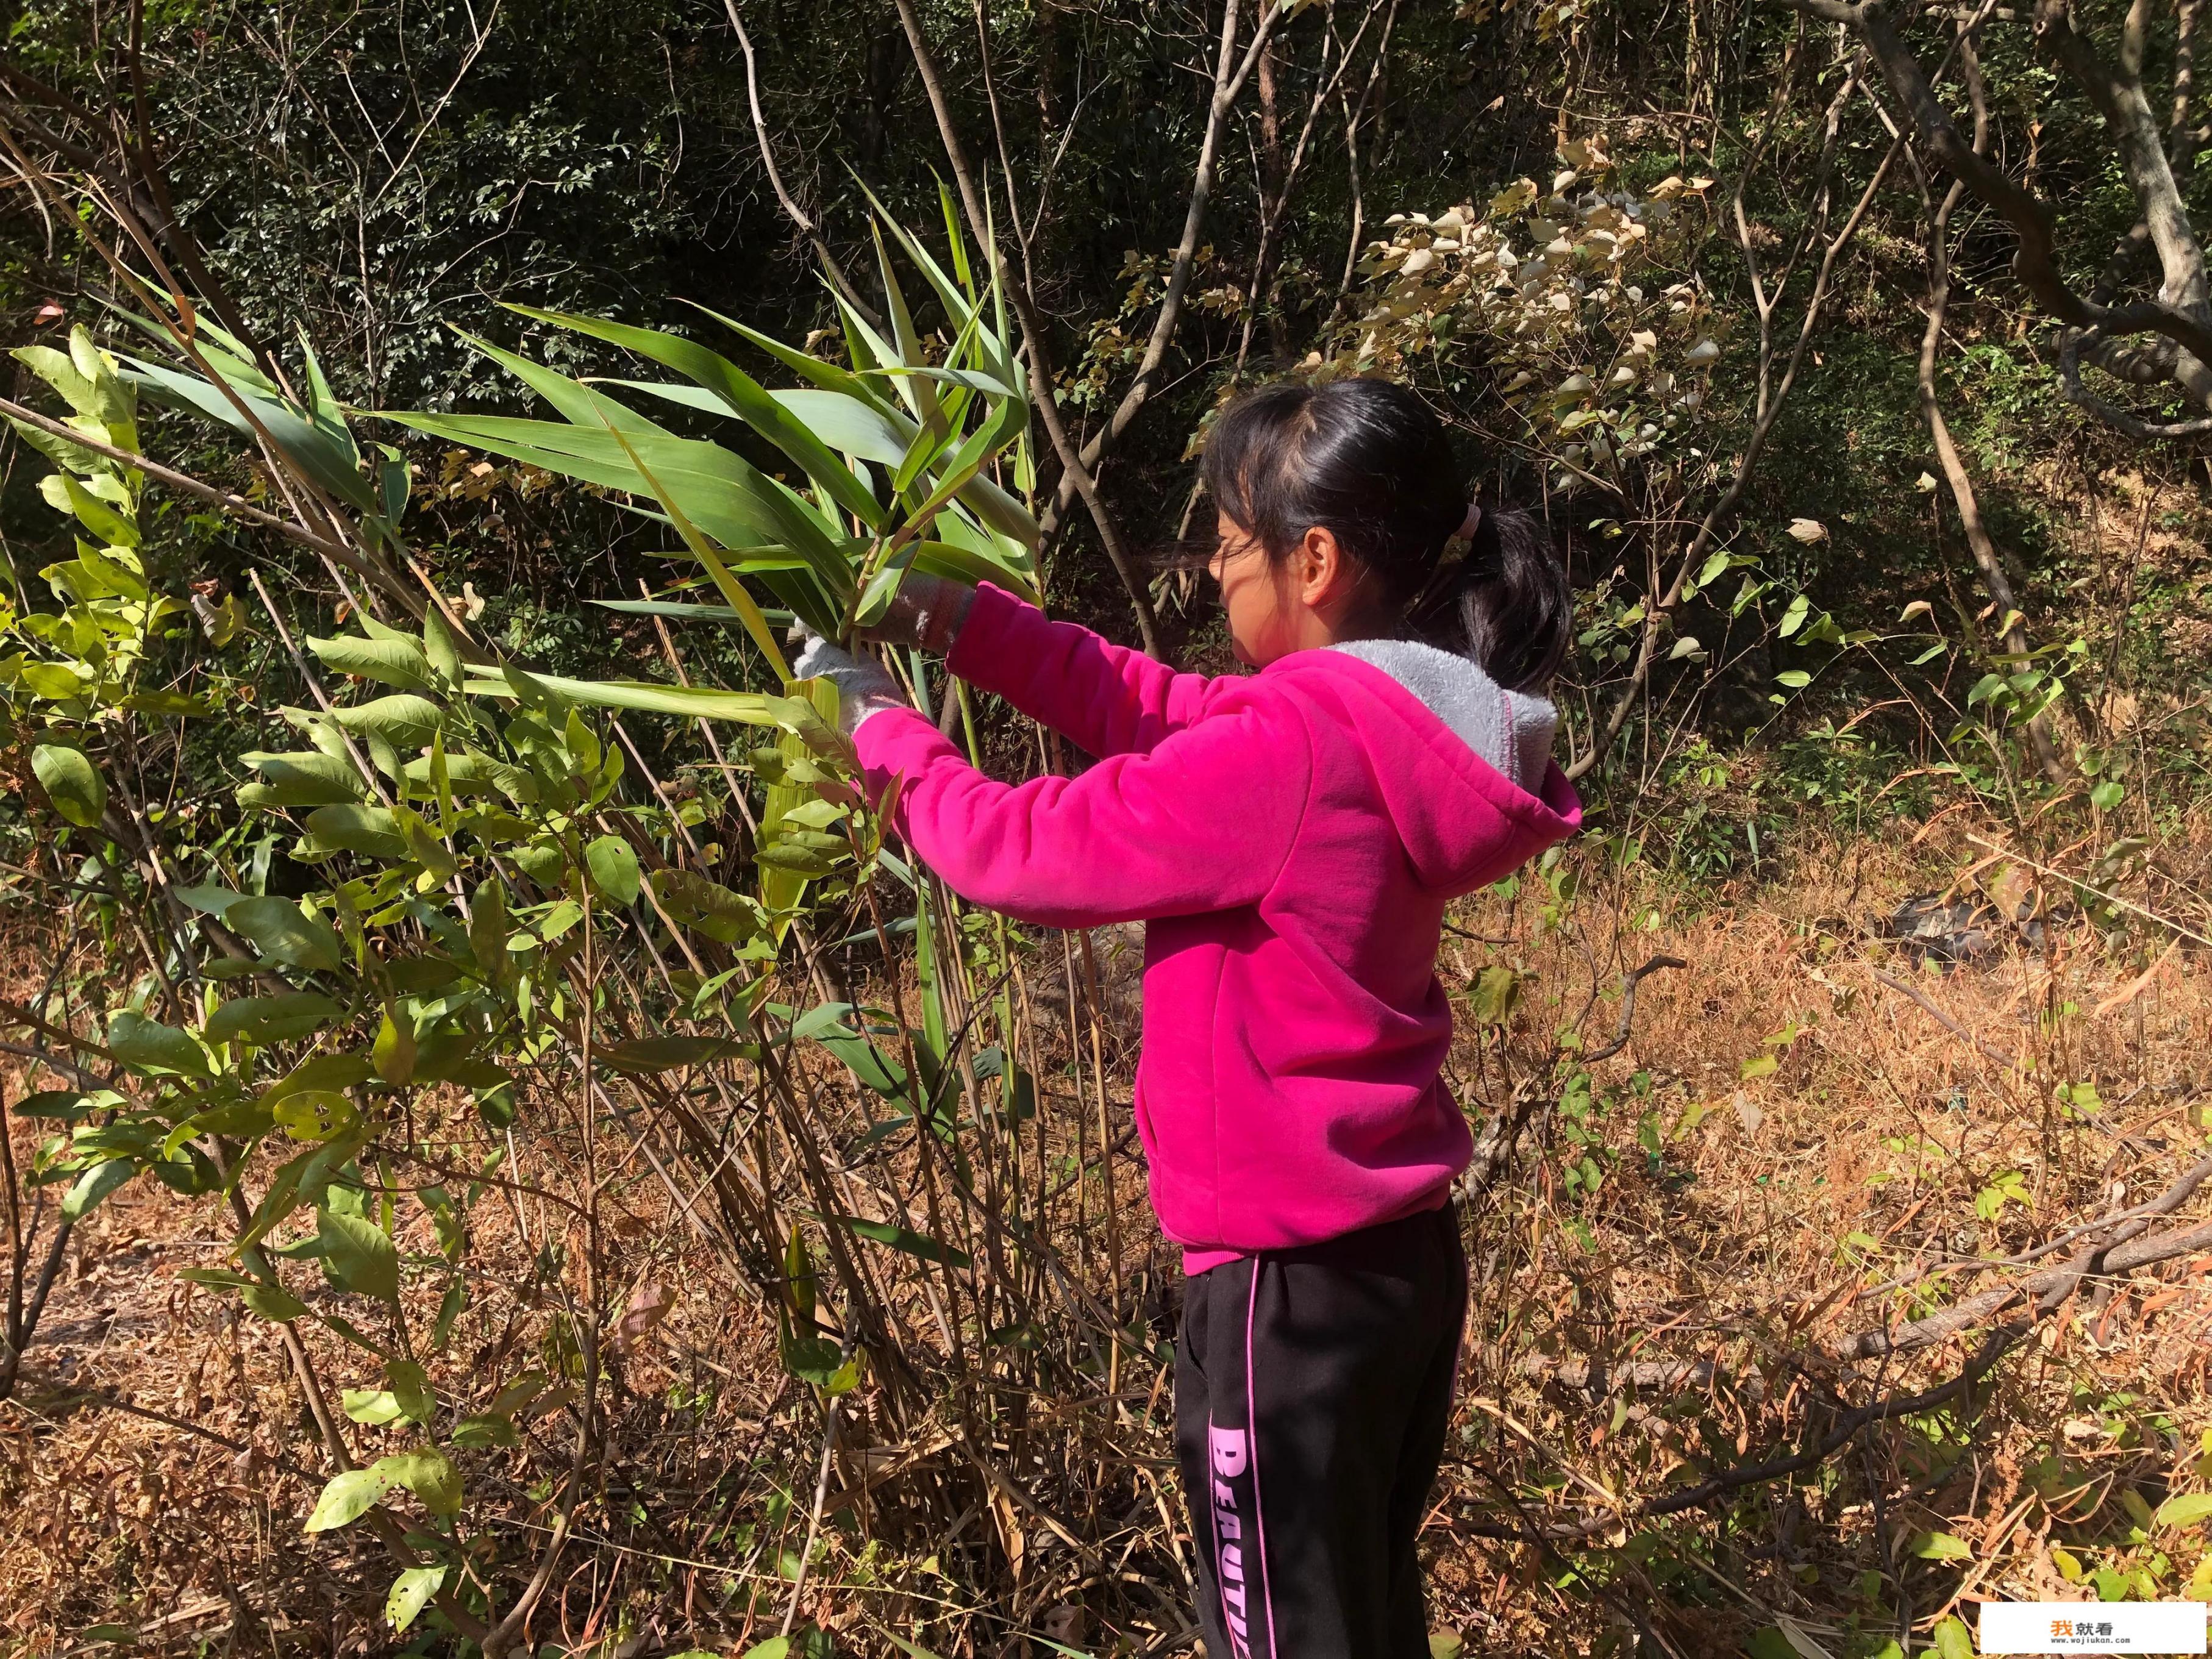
x=1561 y=293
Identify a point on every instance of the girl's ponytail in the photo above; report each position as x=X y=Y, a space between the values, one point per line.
x=1368 y=461
x=1506 y=602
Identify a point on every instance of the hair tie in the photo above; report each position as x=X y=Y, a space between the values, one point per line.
x=1450 y=558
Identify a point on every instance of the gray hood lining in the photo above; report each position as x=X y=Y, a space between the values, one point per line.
x=1510 y=730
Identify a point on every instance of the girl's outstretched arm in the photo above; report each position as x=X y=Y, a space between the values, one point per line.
x=1105 y=699
x=1203 y=821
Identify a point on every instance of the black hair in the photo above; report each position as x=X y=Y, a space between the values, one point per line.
x=1368 y=461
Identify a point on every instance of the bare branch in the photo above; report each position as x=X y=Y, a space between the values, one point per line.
x=2010 y=627
x=1629 y=982
x=2181 y=313
x=797 y=215
x=1074 y=466
x=1229 y=76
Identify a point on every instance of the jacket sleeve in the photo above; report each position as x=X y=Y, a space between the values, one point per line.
x=1105 y=699
x=1204 y=821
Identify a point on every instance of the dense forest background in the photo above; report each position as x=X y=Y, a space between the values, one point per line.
x=1838 y=1093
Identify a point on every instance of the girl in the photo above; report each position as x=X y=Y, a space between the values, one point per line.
x=1291 y=839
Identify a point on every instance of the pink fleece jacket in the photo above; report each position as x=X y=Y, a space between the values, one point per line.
x=1290 y=838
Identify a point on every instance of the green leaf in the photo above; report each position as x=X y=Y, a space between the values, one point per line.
x=441 y=647
x=346 y=1498
x=666 y=1054
x=613 y=864
x=1952 y=1640
x=324 y=1071
x=109 y=524
x=488 y=929
x=57 y=371
x=2108 y=794
x=411 y=1386
x=371 y=831
x=313 y=1114
x=359 y=1254
x=559 y=919
x=66 y=1105
x=741 y=396
x=93 y=1185
x=264 y=1020
x=283 y=933
x=1943 y=1547
x=677 y=611
x=405 y=721
x=2185 y=1509
x=727 y=497
x=308 y=778
x=424 y=847
x=1493 y=995
x=712 y=909
x=147 y=1046
x=274 y=1302
x=410 y=1593
x=693 y=702
x=374 y=1407
x=484 y=1430
x=77 y=791
x=164 y=704
x=395 y=1050
x=1796 y=678
x=318 y=442
x=869 y=1065
x=400 y=663
x=207 y=901
x=430 y=1476
x=902 y=1238
x=215 y=1277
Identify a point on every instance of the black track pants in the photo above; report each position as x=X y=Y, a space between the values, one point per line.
x=1313 y=1388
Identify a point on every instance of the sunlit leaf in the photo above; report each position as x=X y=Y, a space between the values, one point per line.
x=410 y=1593
x=346 y=1498
x=77 y=791
x=360 y=1254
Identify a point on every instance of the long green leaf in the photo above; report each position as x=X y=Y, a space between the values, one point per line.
x=321 y=450
x=830 y=377
x=676 y=610
x=920 y=396
x=745 y=397
x=962 y=564
x=731 y=590
x=574 y=400
x=692 y=702
x=721 y=493
x=905 y=1238
x=994 y=347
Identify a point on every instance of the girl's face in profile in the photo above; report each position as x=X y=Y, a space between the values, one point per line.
x=1312 y=595
x=1259 y=594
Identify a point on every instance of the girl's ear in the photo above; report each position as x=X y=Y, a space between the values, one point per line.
x=1324 y=573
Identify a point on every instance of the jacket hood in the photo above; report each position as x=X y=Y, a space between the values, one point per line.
x=1421 y=714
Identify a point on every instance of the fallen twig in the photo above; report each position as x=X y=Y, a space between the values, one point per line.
x=1990 y=1051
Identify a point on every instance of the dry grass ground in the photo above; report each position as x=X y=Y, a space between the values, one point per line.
x=1787 y=1152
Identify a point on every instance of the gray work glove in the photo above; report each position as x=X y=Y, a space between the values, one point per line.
x=926 y=610
x=863 y=688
